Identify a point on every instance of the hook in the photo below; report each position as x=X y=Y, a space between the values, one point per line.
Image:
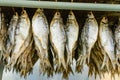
x=40 y=8
x=56 y=1
x=13 y=10
x=95 y=1
x=71 y=0
x=22 y=8
x=0 y=9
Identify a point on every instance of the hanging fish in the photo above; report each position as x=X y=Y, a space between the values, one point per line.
x=3 y=34
x=40 y=33
x=11 y=34
x=58 y=41
x=117 y=43
x=22 y=38
x=24 y=63
x=72 y=31
x=107 y=43
x=88 y=38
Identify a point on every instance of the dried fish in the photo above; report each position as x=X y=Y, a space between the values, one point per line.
x=22 y=38
x=40 y=33
x=3 y=34
x=11 y=35
x=58 y=42
x=117 y=43
x=88 y=38
x=72 y=32
x=24 y=63
x=107 y=43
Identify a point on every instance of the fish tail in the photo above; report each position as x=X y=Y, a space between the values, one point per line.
x=45 y=63
x=69 y=59
x=78 y=64
x=69 y=55
x=105 y=62
x=87 y=57
x=62 y=62
x=67 y=72
x=46 y=67
x=114 y=64
x=61 y=65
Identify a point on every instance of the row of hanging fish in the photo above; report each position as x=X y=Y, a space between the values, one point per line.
x=56 y=45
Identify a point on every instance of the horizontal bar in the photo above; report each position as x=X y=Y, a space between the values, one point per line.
x=60 y=5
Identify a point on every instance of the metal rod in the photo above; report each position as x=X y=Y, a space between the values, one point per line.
x=60 y=5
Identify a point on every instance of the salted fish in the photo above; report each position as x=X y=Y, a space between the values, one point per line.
x=88 y=38
x=3 y=34
x=11 y=35
x=22 y=38
x=58 y=41
x=117 y=43
x=107 y=43
x=40 y=31
x=72 y=32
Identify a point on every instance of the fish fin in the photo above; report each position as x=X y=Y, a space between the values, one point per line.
x=52 y=50
x=87 y=56
x=54 y=56
x=69 y=56
x=118 y=60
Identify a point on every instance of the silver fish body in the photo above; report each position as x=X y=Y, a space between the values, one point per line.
x=40 y=31
x=107 y=43
x=22 y=37
x=58 y=41
x=88 y=38
x=72 y=32
x=117 y=43
x=11 y=34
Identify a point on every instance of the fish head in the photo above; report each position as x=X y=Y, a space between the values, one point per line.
x=39 y=13
x=15 y=16
x=71 y=15
x=57 y=15
x=104 y=20
x=24 y=16
x=3 y=16
x=90 y=15
x=57 y=18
